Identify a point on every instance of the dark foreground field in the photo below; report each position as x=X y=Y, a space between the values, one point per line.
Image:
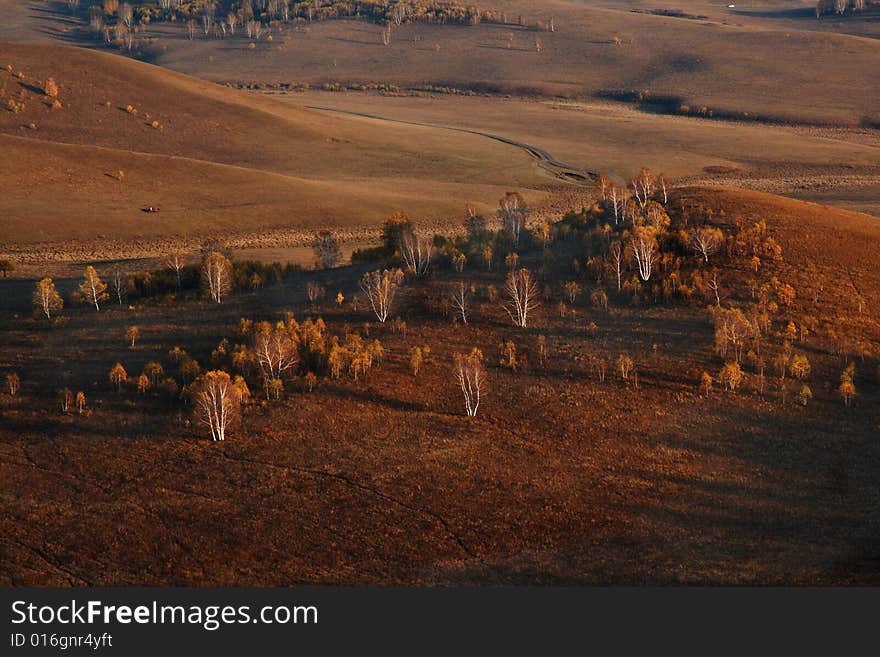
x=560 y=479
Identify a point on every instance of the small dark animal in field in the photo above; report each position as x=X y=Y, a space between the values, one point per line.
x=150 y=208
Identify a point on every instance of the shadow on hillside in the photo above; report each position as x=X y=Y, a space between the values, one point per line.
x=373 y=398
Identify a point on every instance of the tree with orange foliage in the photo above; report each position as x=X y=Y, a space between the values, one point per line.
x=217 y=402
x=132 y=333
x=46 y=299
x=93 y=289
x=118 y=375
x=13 y=384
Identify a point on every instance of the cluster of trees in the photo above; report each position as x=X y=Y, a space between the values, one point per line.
x=216 y=277
x=634 y=242
x=840 y=7
x=118 y=23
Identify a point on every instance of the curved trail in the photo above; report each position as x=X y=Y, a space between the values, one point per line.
x=546 y=160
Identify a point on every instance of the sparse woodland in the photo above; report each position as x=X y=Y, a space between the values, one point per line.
x=649 y=310
x=639 y=246
x=120 y=23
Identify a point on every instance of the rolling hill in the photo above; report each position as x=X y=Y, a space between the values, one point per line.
x=213 y=157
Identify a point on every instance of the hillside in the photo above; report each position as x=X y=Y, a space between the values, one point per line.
x=744 y=61
x=214 y=155
x=564 y=477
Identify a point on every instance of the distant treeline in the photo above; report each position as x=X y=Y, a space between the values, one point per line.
x=162 y=284
x=382 y=11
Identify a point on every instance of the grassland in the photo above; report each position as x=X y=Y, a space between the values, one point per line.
x=836 y=166
x=734 y=61
x=216 y=158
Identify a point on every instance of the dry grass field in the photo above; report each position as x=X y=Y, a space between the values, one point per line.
x=751 y=59
x=836 y=166
x=217 y=159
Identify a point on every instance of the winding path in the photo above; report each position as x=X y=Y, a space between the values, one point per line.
x=546 y=160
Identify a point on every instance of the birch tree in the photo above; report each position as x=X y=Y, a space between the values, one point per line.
x=120 y=284
x=471 y=377
x=643 y=186
x=46 y=299
x=381 y=287
x=643 y=246
x=416 y=252
x=217 y=402
x=706 y=241
x=460 y=298
x=175 y=262
x=216 y=276
x=523 y=294
x=512 y=210
x=13 y=384
x=616 y=252
x=619 y=199
x=276 y=349
x=132 y=333
x=118 y=375
x=93 y=289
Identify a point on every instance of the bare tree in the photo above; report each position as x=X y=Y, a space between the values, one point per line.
x=643 y=186
x=602 y=185
x=512 y=210
x=326 y=248
x=46 y=299
x=619 y=200
x=276 y=349
x=119 y=281
x=315 y=292
x=706 y=241
x=616 y=251
x=522 y=296
x=93 y=289
x=471 y=377
x=460 y=297
x=176 y=262
x=386 y=35
x=217 y=401
x=416 y=252
x=664 y=187
x=381 y=288
x=643 y=246
x=216 y=276
x=715 y=286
